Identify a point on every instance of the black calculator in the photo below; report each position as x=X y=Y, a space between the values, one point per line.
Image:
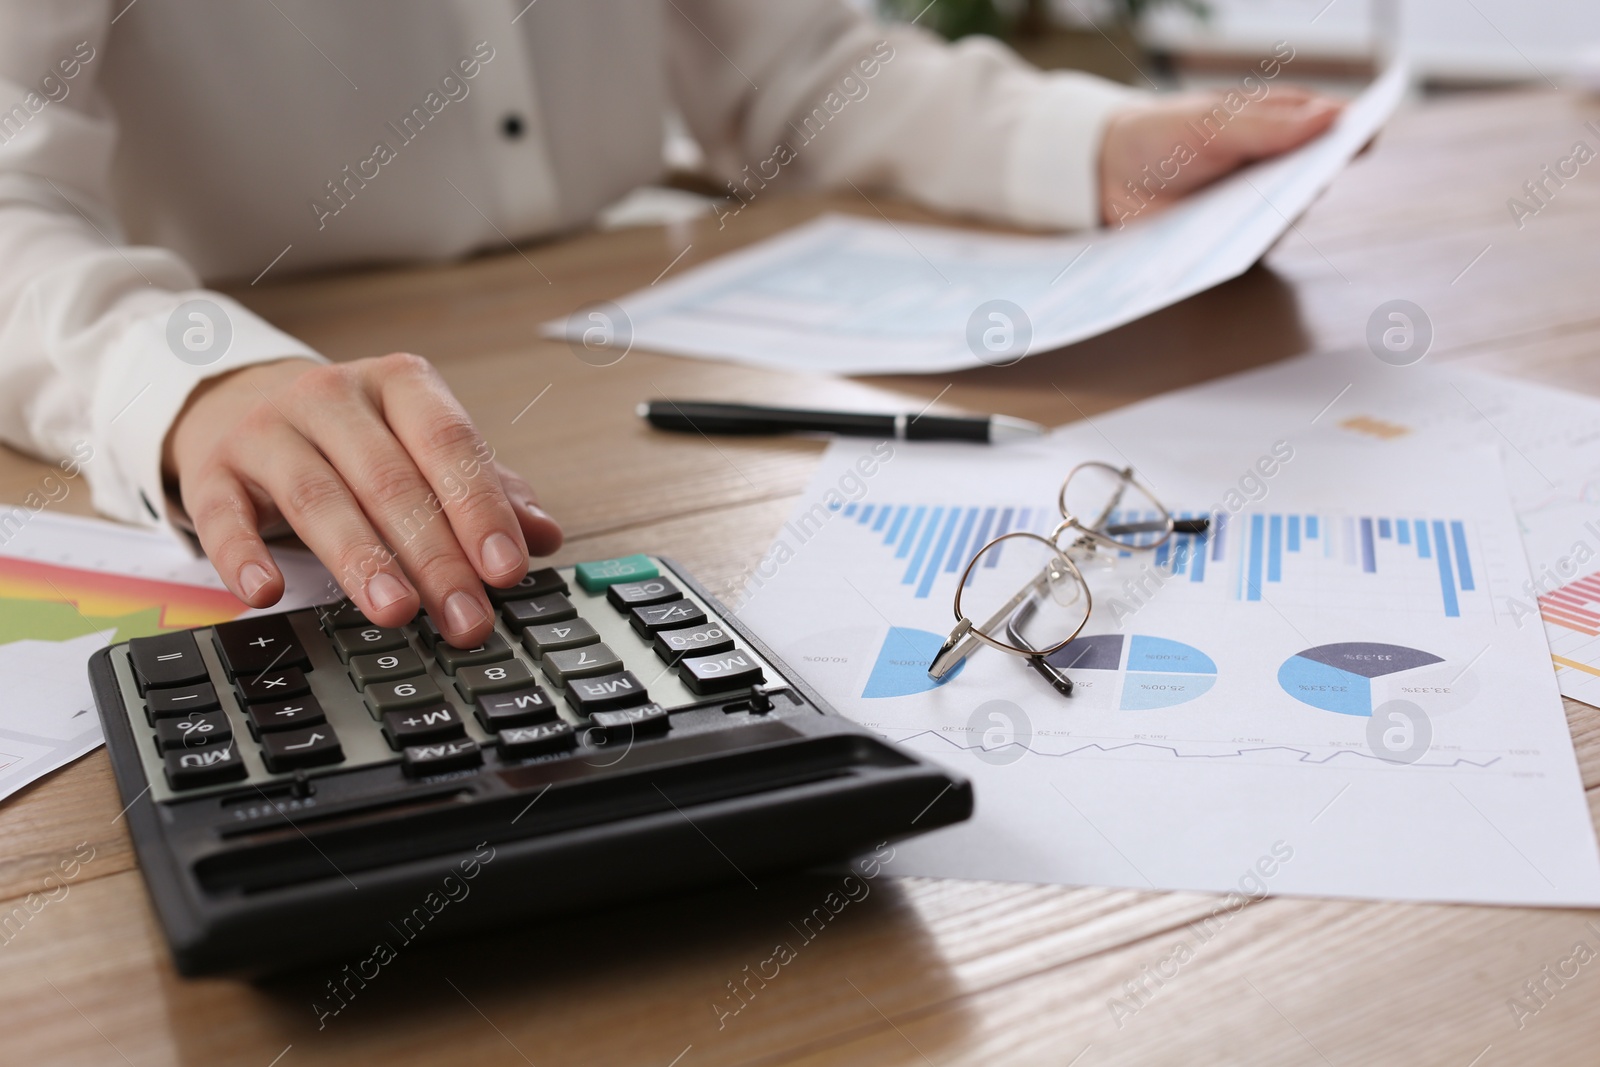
x=305 y=784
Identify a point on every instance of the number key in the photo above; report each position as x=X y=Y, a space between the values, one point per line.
x=473 y=682
x=404 y=693
x=356 y=642
x=562 y=667
x=673 y=645
x=493 y=649
x=555 y=636
x=382 y=666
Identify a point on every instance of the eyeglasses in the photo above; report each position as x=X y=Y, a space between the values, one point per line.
x=1101 y=507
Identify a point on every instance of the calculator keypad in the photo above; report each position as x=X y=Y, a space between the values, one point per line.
x=612 y=657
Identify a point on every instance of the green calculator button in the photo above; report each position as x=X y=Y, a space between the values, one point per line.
x=600 y=575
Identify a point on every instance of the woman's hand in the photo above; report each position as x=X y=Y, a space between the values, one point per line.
x=360 y=458
x=1171 y=146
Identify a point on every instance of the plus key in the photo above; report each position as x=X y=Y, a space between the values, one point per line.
x=255 y=646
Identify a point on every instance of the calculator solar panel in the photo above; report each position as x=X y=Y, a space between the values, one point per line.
x=296 y=779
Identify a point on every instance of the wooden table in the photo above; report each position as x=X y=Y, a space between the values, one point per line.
x=922 y=971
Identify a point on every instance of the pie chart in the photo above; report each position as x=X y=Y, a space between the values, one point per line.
x=1341 y=677
x=1153 y=672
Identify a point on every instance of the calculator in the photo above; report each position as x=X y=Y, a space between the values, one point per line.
x=304 y=785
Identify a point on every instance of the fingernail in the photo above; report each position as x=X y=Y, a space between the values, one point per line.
x=252 y=577
x=384 y=589
x=462 y=612
x=536 y=511
x=501 y=554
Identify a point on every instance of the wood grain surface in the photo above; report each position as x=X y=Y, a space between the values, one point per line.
x=921 y=971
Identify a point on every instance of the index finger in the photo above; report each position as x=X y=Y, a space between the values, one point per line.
x=458 y=463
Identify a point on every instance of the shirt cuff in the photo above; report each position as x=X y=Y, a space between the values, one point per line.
x=146 y=384
x=1054 y=168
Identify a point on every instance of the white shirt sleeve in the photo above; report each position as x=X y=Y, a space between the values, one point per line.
x=85 y=364
x=811 y=91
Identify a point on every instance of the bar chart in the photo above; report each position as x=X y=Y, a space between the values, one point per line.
x=1412 y=562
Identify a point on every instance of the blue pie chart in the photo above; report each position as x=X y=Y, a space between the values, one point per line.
x=1338 y=677
x=1157 y=672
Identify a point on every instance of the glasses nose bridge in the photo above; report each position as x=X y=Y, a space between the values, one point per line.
x=1067 y=524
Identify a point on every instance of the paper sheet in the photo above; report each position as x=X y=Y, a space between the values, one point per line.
x=862 y=296
x=69 y=587
x=1549 y=439
x=1225 y=710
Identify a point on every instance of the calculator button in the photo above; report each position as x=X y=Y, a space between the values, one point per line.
x=272 y=685
x=284 y=715
x=193 y=730
x=404 y=693
x=608 y=692
x=420 y=726
x=673 y=645
x=164 y=702
x=166 y=660
x=205 y=766
x=518 y=707
x=437 y=759
x=562 y=667
x=382 y=666
x=493 y=649
x=310 y=747
x=429 y=633
x=671 y=616
x=604 y=573
x=251 y=646
x=534 y=583
x=474 y=682
x=626 y=595
x=523 y=613
x=628 y=723
x=341 y=615
x=555 y=636
x=721 y=672
x=519 y=742
x=367 y=640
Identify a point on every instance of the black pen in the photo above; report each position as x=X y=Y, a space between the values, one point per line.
x=698 y=416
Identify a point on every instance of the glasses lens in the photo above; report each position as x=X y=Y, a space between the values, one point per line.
x=1023 y=592
x=1100 y=498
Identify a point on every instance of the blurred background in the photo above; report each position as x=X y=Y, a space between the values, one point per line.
x=1453 y=44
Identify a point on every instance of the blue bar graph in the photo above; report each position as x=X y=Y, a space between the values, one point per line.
x=894 y=527
x=943 y=546
x=1257 y=524
x=1459 y=534
x=1272 y=549
x=911 y=533
x=1275 y=548
x=958 y=556
x=922 y=546
x=1446 y=575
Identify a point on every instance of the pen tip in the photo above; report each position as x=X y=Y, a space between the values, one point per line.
x=642 y=410
x=1003 y=428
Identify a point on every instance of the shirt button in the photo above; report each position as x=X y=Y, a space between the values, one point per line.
x=511 y=126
